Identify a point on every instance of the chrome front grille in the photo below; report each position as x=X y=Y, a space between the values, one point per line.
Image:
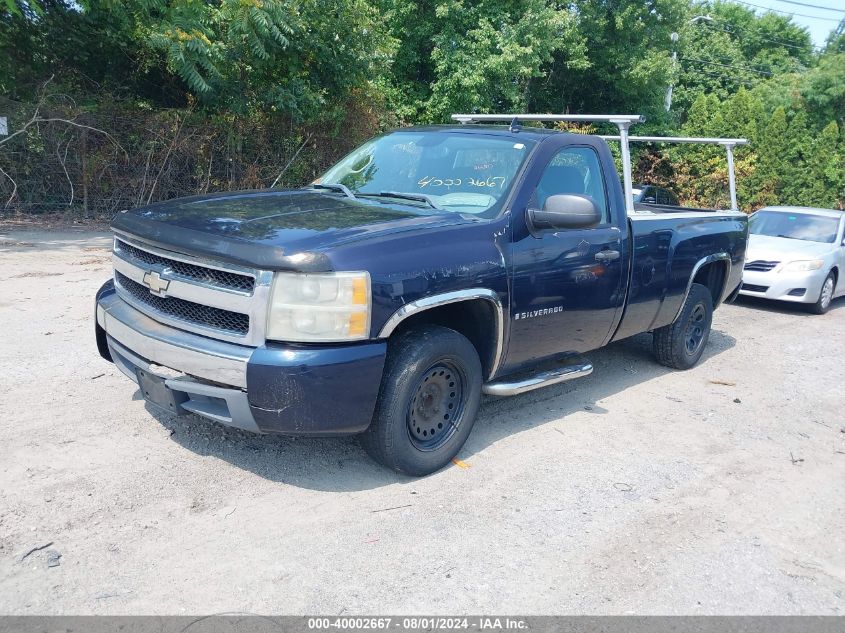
x=199 y=274
x=218 y=300
x=760 y=265
x=187 y=311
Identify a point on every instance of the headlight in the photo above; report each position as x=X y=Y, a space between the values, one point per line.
x=319 y=307
x=804 y=265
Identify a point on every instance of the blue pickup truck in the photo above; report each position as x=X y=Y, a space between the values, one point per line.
x=430 y=266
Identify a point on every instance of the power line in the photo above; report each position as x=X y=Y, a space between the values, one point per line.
x=745 y=68
x=764 y=39
x=725 y=77
x=812 y=6
x=802 y=15
x=734 y=31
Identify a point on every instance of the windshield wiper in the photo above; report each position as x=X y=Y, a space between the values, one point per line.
x=417 y=197
x=334 y=187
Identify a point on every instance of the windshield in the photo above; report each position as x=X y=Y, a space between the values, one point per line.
x=796 y=226
x=460 y=173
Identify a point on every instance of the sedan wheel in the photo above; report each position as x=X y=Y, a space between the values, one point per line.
x=825 y=296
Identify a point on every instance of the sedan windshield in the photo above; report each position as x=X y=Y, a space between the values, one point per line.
x=434 y=171
x=796 y=226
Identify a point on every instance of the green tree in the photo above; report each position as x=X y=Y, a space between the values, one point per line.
x=725 y=46
x=19 y=7
x=771 y=145
x=741 y=114
x=738 y=72
x=795 y=177
x=62 y=40
x=823 y=88
x=700 y=170
x=627 y=66
x=481 y=56
x=484 y=59
x=826 y=168
x=836 y=40
x=294 y=56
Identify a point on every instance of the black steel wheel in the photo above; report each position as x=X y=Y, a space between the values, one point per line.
x=680 y=344
x=429 y=398
x=695 y=332
x=436 y=410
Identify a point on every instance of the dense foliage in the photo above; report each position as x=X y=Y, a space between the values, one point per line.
x=310 y=77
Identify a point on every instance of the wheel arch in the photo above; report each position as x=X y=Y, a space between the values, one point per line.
x=713 y=272
x=475 y=313
x=837 y=279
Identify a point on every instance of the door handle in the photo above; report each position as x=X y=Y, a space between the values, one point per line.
x=607 y=256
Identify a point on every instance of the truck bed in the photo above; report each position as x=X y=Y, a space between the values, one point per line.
x=668 y=245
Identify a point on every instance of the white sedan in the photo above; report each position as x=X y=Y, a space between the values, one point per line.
x=796 y=254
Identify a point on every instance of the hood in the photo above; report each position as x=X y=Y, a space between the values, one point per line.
x=264 y=228
x=784 y=249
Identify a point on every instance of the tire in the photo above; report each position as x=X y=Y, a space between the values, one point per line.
x=428 y=402
x=680 y=344
x=822 y=305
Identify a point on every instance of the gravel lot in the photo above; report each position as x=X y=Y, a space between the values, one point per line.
x=635 y=490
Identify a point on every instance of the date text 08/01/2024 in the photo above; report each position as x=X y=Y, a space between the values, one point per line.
x=417 y=622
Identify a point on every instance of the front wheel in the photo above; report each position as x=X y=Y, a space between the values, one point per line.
x=429 y=398
x=680 y=344
x=822 y=305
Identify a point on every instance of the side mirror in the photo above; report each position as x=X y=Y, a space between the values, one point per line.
x=565 y=211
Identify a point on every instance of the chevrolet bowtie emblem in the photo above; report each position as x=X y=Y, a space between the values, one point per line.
x=155 y=283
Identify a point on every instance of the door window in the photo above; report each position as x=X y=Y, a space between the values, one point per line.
x=574 y=170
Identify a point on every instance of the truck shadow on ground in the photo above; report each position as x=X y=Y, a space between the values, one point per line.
x=784 y=307
x=340 y=464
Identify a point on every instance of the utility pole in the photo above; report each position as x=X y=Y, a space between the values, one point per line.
x=667 y=102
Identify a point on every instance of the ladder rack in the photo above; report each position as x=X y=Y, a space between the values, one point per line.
x=727 y=143
x=623 y=122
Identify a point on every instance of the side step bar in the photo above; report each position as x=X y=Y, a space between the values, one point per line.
x=574 y=368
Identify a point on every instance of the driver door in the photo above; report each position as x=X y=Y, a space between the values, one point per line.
x=567 y=285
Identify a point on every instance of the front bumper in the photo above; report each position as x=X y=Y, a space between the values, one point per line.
x=304 y=390
x=783 y=286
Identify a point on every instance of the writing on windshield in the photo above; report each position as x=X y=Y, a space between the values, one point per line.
x=490 y=181
x=459 y=172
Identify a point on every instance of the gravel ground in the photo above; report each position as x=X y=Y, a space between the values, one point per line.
x=635 y=490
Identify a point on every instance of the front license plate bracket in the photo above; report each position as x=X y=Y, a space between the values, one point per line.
x=156 y=392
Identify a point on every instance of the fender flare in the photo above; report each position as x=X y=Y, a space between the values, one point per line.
x=716 y=257
x=457 y=296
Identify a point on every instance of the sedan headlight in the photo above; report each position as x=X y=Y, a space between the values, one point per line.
x=804 y=265
x=319 y=307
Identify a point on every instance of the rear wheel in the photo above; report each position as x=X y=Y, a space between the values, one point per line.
x=822 y=305
x=428 y=401
x=680 y=344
